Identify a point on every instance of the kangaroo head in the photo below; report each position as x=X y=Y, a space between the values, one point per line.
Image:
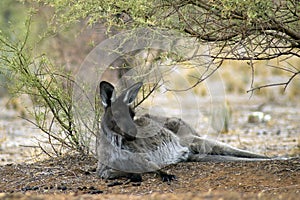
x=118 y=116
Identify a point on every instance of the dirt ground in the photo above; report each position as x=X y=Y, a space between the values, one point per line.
x=74 y=177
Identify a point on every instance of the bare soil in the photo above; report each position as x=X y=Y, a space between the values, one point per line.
x=74 y=177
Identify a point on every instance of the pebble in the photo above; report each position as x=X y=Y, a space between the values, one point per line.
x=115 y=183
x=87 y=173
x=91 y=190
x=136 y=183
x=28 y=188
x=259 y=117
x=96 y=192
x=62 y=187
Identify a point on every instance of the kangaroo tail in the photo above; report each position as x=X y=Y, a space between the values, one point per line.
x=221 y=158
x=203 y=146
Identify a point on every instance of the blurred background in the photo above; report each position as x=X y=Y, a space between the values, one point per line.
x=265 y=121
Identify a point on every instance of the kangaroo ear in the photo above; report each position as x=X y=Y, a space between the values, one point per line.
x=131 y=93
x=106 y=93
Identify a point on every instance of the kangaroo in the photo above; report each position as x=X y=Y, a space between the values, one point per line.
x=127 y=146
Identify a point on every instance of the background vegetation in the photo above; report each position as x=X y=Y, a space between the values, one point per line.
x=42 y=43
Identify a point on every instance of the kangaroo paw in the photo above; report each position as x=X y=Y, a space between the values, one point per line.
x=167 y=177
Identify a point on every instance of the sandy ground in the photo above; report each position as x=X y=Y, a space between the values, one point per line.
x=74 y=177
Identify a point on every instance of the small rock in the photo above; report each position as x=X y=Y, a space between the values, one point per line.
x=62 y=187
x=136 y=183
x=115 y=183
x=267 y=118
x=95 y=192
x=87 y=173
x=93 y=169
x=258 y=117
x=35 y=188
x=27 y=188
x=255 y=117
x=278 y=132
x=262 y=132
x=92 y=188
x=265 y=133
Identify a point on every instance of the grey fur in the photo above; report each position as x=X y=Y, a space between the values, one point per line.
x=126 y=146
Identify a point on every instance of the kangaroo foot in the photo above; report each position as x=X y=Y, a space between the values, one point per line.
x=135 y=178
x=165 y=177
